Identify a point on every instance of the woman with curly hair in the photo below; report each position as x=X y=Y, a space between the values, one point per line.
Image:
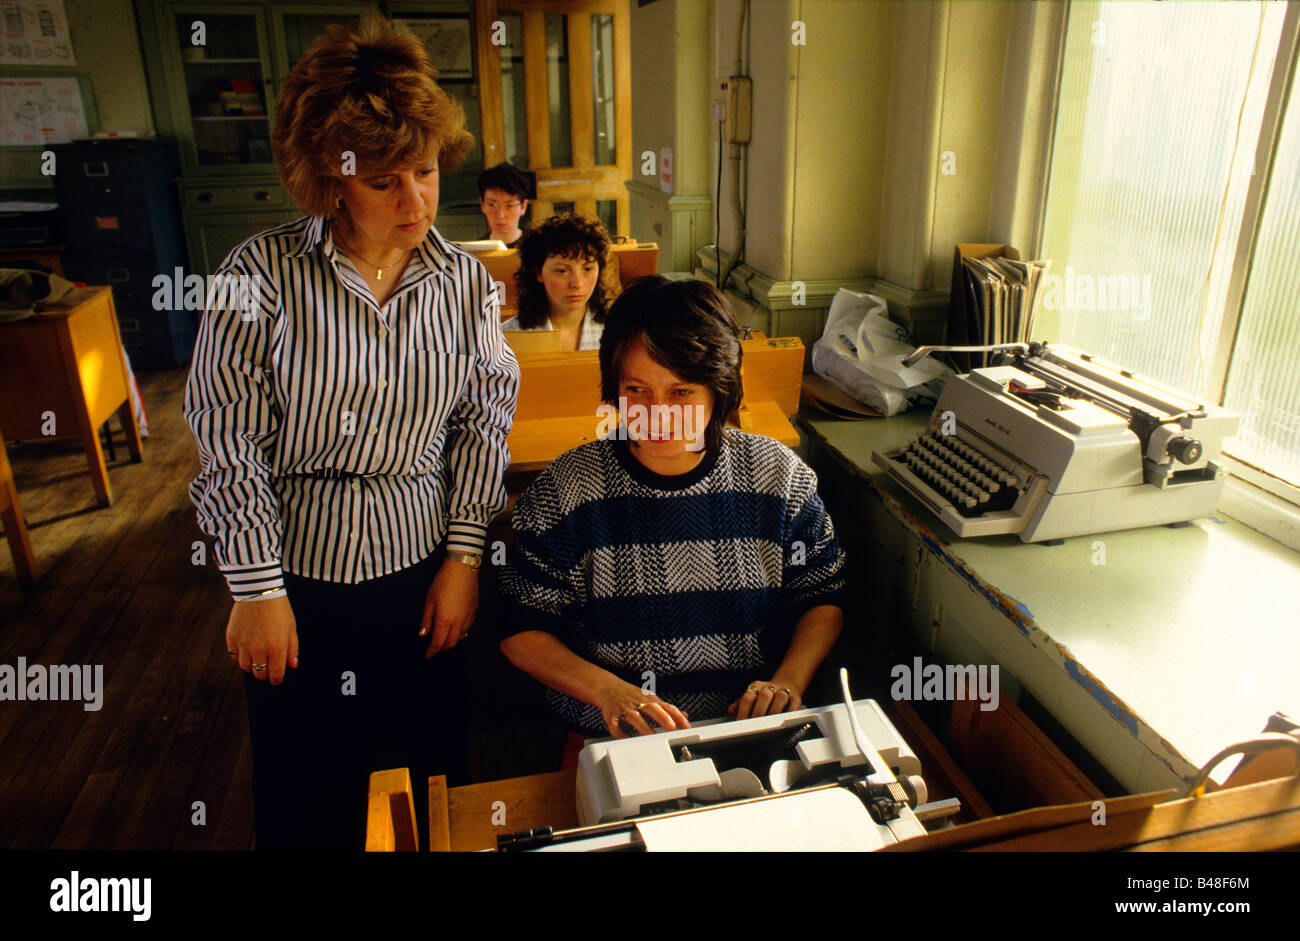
x=350 y=396
x=561 y=268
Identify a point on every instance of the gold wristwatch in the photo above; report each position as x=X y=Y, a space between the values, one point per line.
x=473 y=561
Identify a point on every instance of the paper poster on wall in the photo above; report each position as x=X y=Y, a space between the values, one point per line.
x=35 y=33
x=40 y=111
x=449 y=42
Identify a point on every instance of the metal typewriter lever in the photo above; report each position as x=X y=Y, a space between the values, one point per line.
x=923 y=351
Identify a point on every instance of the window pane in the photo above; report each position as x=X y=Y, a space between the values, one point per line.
x=602 y=78
x=607 y=213
x=557 y=88
x=1264 y=377
x=1144 y=205
x=512 y=91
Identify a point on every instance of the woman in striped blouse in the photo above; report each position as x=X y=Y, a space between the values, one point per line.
x=350 y=396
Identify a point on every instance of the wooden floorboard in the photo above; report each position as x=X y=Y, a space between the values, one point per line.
x=117 y=588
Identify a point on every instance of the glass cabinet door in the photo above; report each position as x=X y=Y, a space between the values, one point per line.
x=297 y=26
x=223 y=91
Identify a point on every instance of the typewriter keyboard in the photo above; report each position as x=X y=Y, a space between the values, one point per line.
x=969 y=480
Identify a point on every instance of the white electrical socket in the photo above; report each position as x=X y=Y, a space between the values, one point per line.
x=719 y=109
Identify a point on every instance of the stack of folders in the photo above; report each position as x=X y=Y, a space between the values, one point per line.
x=1003 y=295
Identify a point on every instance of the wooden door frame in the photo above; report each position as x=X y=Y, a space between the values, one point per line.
x=585 y=182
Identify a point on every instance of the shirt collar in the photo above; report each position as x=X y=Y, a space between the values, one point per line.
x=434 y=250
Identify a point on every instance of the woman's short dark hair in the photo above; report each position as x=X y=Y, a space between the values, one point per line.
x=687 y=328
x=368 y=90
x=567 y=236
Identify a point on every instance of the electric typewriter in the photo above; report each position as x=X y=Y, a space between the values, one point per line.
x=1050 y=443
x=822 y=778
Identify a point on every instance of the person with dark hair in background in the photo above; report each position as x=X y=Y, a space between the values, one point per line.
x=676 y=569
x=561 y=281
x=350 y=398
x=503 y=195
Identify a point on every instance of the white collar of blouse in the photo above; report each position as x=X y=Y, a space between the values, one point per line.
x=435 y=251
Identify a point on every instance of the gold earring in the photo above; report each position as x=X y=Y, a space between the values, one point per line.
x=338 y=202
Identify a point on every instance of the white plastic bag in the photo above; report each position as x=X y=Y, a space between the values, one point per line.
x=861 y=353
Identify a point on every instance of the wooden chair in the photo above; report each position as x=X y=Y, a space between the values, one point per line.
x=390 y=813
x=466 y=818
x=15 y=526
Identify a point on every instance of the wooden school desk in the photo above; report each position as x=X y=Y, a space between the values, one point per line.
x=64 y=364
x=1258 y=816
x=559 y=399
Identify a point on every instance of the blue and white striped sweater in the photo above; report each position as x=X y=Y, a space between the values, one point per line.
x=698 y=579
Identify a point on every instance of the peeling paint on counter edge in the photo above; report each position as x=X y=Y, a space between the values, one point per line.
x=1102 y=695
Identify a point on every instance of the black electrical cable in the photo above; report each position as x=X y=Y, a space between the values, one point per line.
x=717 y=214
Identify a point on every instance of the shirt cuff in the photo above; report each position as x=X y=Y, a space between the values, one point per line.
x=466 y=536
x=250 y=581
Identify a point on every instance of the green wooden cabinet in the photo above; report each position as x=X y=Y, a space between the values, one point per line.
x=221 y=214
x=214 y=70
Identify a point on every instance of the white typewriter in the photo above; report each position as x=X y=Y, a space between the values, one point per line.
x=1054 y=443
x=815 y=779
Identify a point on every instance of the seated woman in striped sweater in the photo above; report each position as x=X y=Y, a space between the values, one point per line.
x=676 y=568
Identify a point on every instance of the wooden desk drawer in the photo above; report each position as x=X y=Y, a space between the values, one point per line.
x=243 y=196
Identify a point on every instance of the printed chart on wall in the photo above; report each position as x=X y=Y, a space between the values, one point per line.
x=35 y=33
x=40 y=111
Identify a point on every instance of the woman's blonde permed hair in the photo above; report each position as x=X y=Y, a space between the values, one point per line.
x=369 y=91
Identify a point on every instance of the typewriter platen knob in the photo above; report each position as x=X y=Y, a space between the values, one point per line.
x=1186 y=450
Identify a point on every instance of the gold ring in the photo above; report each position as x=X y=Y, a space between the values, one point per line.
x=256 y=666
x=752 y=689
x=641 y=705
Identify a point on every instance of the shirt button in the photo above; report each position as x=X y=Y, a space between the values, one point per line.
x=383 y=383
x=352 y=536
x=383 y=333
x=356 y=485
x=374 y=430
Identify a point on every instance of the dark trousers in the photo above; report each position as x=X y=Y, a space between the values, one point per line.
x=363 y=699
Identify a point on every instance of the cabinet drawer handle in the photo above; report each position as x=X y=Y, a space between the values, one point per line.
x=262 y=195
x=95 y=168
x=204 y=197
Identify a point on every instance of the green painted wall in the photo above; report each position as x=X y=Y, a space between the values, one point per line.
x=106 y=46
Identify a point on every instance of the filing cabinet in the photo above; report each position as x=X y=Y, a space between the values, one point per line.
x=122 y=225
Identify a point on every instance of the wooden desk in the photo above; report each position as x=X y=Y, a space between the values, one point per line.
x=15 y=526
x=1252 y=817
x=62 y=373
x=48 y=256
x=559 y=399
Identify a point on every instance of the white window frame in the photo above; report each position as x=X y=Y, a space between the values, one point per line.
x=1252 y=496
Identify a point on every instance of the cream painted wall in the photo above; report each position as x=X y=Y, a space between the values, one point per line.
x=106 y=44
x=656 y=61
x=842 y=102
x=670 y=108
x=969 y=124
x=849 y=130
